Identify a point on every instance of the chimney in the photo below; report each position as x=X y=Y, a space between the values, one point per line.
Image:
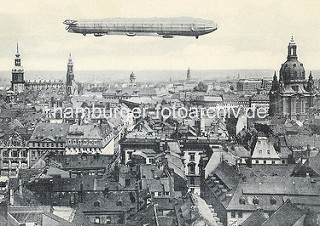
x=4 y=209
x=20 y=187
x=11 y=198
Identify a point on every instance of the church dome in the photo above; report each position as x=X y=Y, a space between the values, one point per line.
x=292 y=71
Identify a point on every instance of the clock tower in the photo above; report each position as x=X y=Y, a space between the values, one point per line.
x=17 y=81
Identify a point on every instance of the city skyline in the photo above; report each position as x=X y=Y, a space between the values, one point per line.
x=250 y=36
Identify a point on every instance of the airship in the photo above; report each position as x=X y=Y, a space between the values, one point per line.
x=165 y=27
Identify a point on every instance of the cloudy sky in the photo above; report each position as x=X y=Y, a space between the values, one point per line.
x=251 y=35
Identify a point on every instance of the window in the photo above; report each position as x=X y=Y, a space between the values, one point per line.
x=96 y=203
x=192 y=168
x=273 y=162
x=239 y=214
x=255 y=200
x=5 y=154
x=264 y=162
x=192 y=181
x=97 y=220
x=273 y=200
x=14 y=154
x=192 y=156
x=233 y=214
x=268 y=152
x=242 y=200
x=257 y=161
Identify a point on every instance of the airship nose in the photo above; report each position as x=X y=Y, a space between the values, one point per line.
x=211 y=26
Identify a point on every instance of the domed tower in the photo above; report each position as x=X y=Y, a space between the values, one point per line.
x=292 y=71
x=293 y=95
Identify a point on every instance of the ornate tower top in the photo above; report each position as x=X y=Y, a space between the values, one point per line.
x=70 y=75
x=292 y=71
x=292 y=49
x=17 y=54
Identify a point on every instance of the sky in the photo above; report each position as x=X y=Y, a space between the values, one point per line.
x=251 y=35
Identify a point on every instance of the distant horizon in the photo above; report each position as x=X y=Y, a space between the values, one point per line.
x=101 y=76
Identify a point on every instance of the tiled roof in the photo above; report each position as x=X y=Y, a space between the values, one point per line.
x=83 y=161
x=287 y=214
x=227 y=174
x=255 y=219
x=53 y=131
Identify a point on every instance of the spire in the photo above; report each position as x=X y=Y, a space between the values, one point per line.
x=292 y=40
x=17 y=54
x=70 y=59
x=310 y=83
x=275 y=83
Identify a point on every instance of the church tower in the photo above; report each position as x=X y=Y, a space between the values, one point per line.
x=292 y=96
x=188 y=74
x=17 y=81
x=132 y=80
x=70 y=77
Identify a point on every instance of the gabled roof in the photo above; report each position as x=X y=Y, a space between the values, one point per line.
x=288 y=214
x=227 y=174
x=255 y=219
x=314 y=163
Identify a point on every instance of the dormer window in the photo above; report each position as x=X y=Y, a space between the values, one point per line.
x=242 y=200
x=96 y=203
x=273 y=200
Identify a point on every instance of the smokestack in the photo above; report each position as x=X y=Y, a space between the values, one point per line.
x=11 y=199
x=20 y=187
x=4 y=209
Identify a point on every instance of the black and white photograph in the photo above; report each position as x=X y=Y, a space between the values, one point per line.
x=160 y=113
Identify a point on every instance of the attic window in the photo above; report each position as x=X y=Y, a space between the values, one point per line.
x=96 y=203
x=242 y=200
x=273 y=201
x=119 y=203
x=255 y=200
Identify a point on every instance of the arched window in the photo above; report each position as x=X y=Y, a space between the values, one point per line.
x=192 y=168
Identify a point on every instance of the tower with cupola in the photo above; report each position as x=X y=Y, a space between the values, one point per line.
x=292 y=96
